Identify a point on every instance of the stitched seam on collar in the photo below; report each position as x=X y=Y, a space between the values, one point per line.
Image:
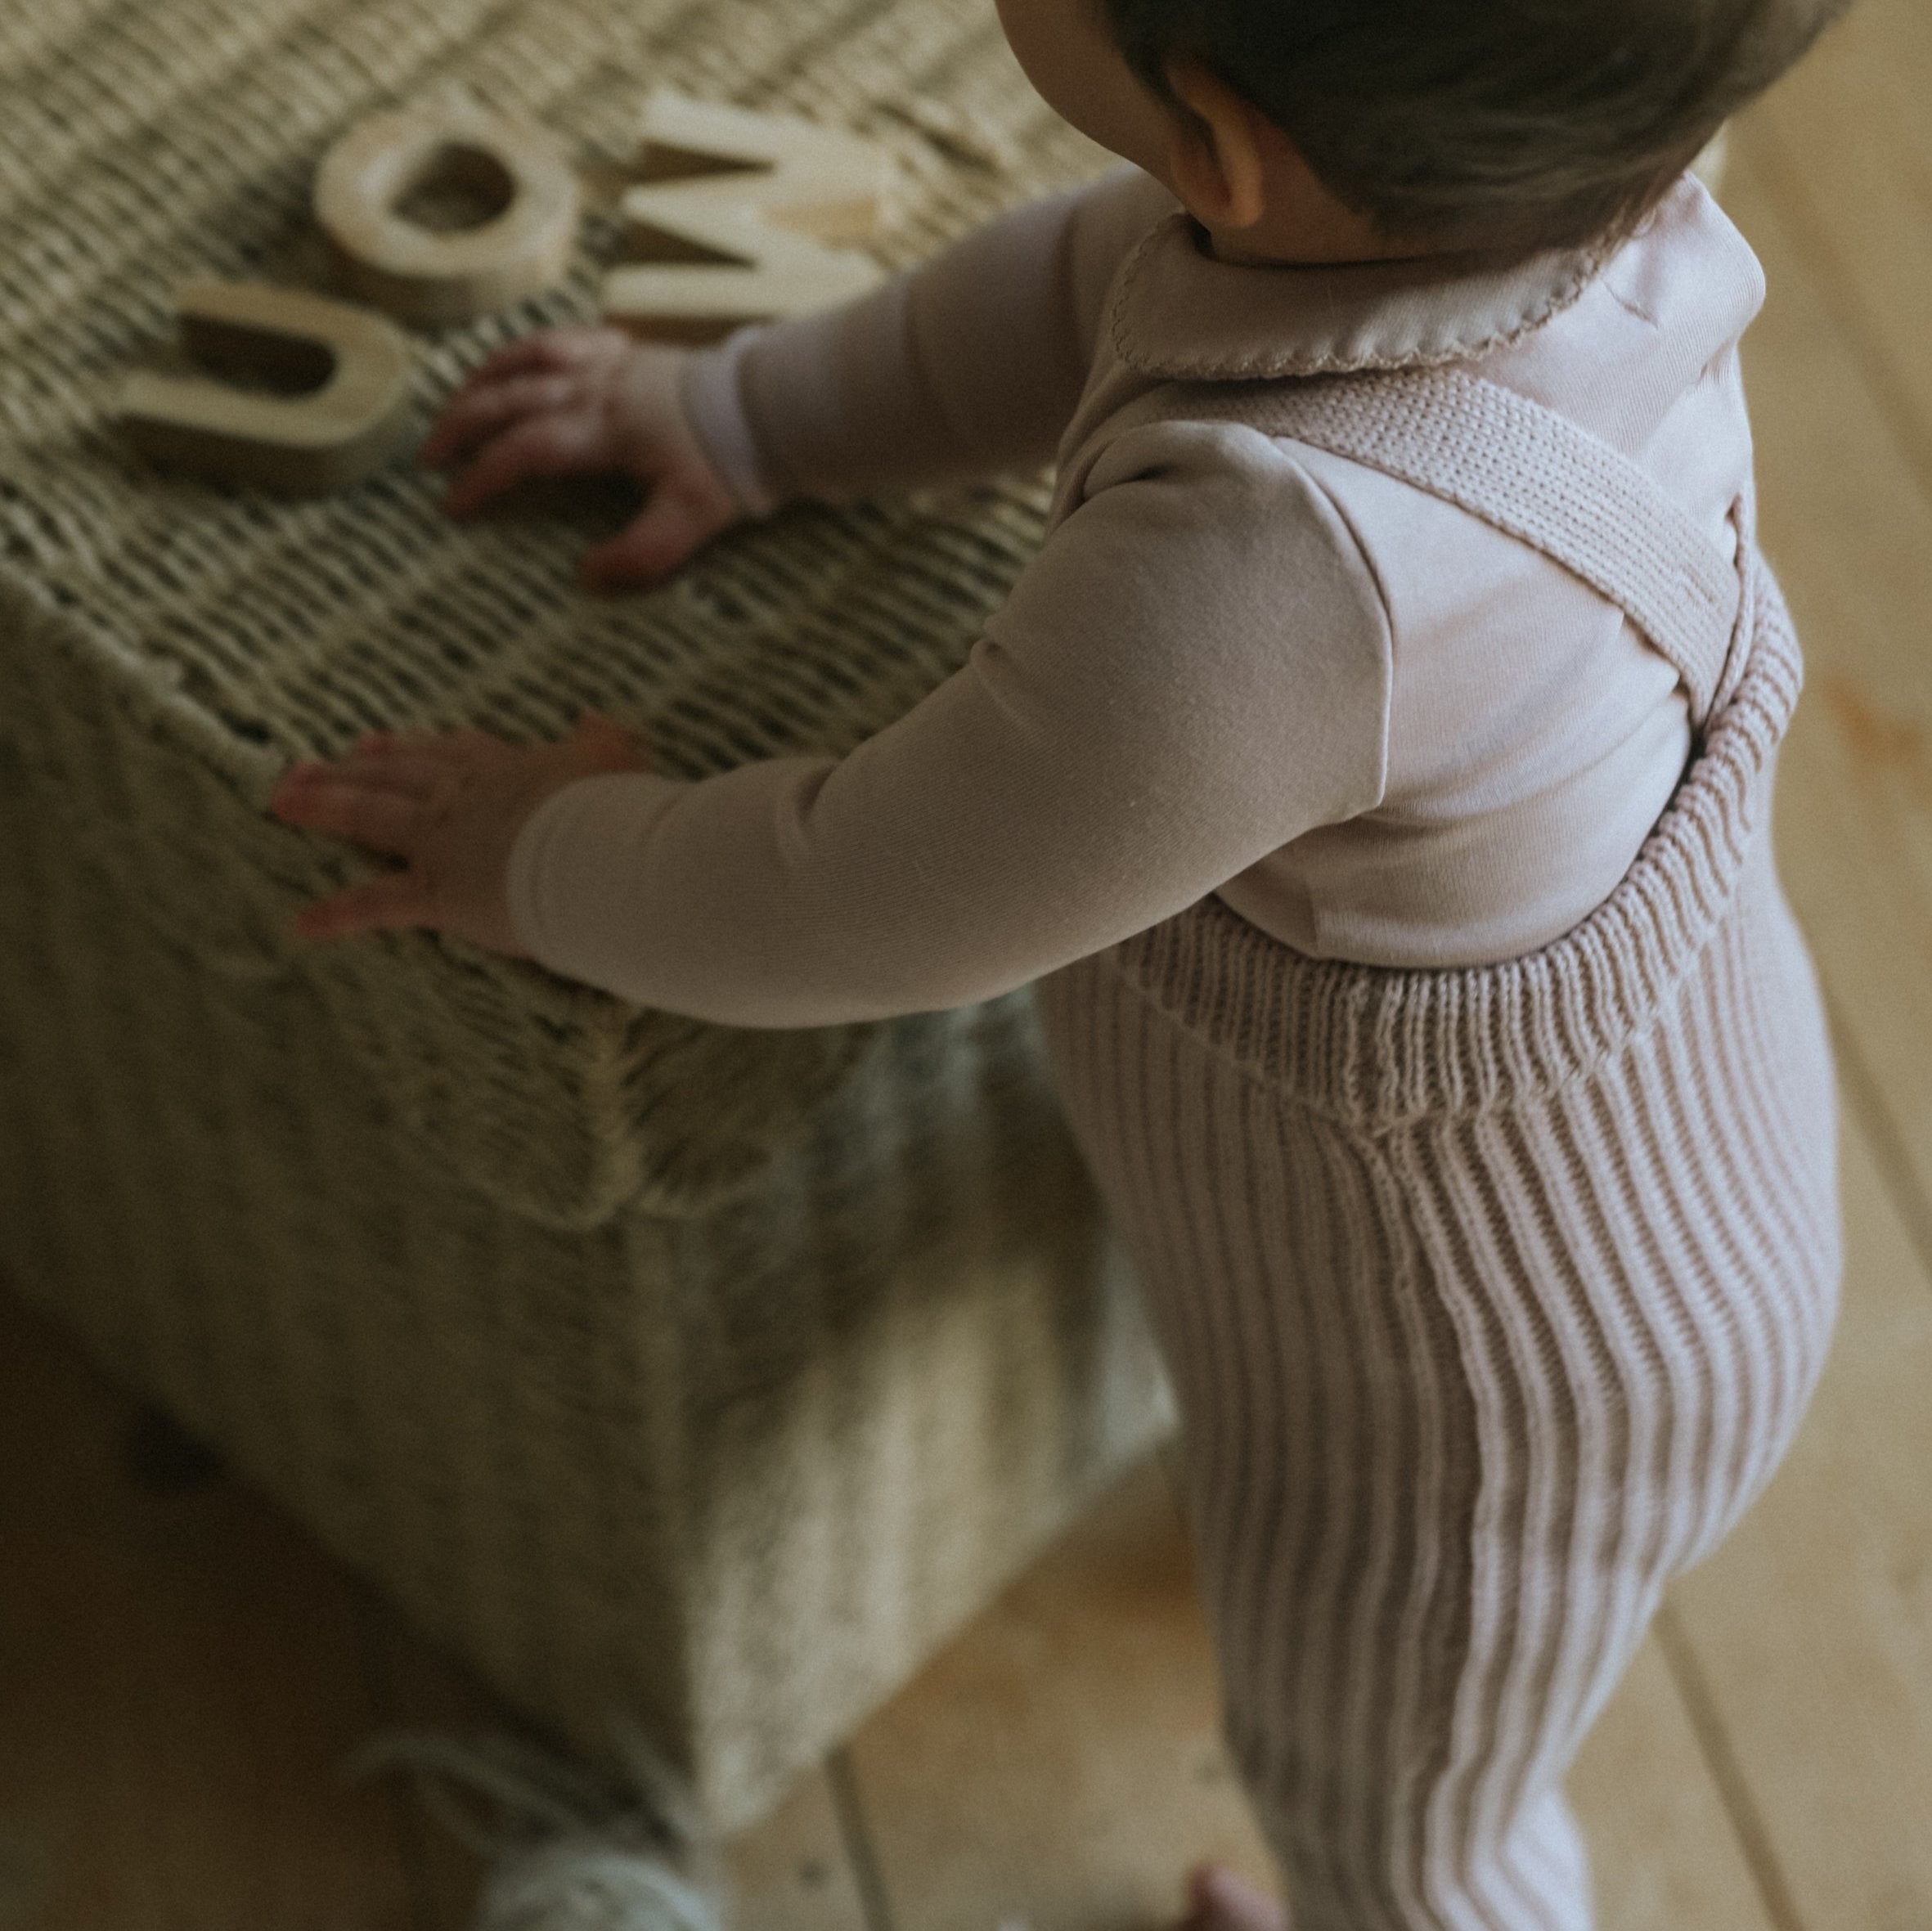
x=1117 y=314
x=1262 y=364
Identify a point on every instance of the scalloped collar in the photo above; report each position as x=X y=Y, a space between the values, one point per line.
x=1179 y=314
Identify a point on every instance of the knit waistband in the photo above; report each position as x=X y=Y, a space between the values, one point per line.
x=1378 y=1047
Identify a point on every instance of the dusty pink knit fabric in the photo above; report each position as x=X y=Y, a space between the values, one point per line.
x=1492 y=1296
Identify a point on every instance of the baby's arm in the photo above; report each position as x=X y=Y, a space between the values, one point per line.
x=1194 y=671
x=970 y=364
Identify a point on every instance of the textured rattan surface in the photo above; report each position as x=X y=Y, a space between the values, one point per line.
x=728 y=1478
x=144 y=145
x=704 y=1379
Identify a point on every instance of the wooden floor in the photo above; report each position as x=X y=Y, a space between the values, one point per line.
x=181 y=1671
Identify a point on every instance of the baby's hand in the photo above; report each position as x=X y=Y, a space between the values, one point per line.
x=450 y=808
x=586 y=402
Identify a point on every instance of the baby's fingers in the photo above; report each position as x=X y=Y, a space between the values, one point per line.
x=479 y=411
x=412 y=760
x=541 y=445
x=374 y=817
x=401 y=900
x=547 y=348
x=671 y=526
x=411 y=766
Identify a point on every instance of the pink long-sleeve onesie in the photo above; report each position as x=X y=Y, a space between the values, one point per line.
x=1380 y=730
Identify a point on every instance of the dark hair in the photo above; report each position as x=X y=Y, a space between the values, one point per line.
x=1519 y=124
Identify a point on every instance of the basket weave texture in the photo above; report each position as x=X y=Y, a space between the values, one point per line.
x=142 y=146
x=701 y=1378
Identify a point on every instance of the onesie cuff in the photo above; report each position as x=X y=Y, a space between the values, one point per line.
x=576 y=874
x=714 y=408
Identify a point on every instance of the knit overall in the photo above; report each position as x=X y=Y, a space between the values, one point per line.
x=1491 y=1296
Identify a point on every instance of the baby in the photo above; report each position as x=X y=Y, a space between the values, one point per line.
x=1374 y=770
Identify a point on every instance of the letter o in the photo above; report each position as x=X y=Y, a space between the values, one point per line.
x=420 y=273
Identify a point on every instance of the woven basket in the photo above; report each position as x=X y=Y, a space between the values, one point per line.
x=702 y=1378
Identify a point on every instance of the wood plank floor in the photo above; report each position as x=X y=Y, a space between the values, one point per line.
x=182 y=1672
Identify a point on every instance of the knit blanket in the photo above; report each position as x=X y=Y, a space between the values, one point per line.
x=166 y=645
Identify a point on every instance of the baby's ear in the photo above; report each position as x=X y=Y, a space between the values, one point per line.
x=1218 y=157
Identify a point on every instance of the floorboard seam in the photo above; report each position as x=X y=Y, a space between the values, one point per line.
x=859 y=1852
x=1753 y=1839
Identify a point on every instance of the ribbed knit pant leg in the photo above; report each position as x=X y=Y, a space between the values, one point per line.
x=1459 y=1395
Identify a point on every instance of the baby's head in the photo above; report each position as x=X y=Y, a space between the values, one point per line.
x=1517 y=124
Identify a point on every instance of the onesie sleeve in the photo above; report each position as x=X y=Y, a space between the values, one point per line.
x=1194 y=670
x=968 y=365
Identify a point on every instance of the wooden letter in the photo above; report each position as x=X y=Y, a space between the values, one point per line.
x=327 y=397
x=746 y=219
x=440 y=213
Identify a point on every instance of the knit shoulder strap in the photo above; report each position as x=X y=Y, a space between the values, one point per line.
x=1542 y=479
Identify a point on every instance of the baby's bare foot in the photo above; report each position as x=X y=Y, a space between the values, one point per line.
x=1218 y=1900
